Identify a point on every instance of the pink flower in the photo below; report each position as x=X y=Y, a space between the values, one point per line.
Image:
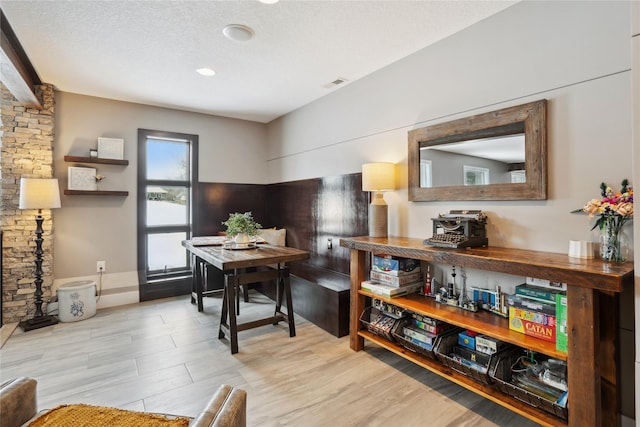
x=612 y=207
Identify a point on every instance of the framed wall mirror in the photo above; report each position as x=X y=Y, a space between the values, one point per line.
x=500 y=155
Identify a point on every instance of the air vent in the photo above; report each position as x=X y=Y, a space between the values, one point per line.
x=335 y=83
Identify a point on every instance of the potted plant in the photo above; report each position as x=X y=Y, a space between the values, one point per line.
x=241 y=226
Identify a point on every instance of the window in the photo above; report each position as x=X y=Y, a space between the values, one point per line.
x=518 y=177
x=474 y=175
x=167 y=173
x=425 y=174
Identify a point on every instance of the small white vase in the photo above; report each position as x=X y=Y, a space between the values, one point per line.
x=242 y=239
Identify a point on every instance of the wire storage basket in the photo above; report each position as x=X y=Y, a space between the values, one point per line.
x=473 y=364
x=502 y=375
x=422 y=348
x=380 y=323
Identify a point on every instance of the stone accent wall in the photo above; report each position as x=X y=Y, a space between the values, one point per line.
x=26 y=151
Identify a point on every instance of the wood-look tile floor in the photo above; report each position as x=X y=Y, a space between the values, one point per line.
x=164 y=356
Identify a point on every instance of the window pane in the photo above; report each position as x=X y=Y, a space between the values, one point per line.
x=167 y=159
x=426 y=174
x=474 y=175
x=167 y=205
x=166 y=252
x=518 y=176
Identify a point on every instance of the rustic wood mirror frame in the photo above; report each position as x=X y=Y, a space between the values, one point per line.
x=531 y=116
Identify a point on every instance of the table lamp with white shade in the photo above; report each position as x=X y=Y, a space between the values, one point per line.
x=378 y=177
x=39 y=193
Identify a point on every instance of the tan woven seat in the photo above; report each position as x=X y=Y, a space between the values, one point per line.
x=18 y=405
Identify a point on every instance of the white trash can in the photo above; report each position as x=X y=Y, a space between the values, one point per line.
x=76 y=301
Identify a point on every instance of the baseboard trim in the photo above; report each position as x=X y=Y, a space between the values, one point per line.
x=6 y=331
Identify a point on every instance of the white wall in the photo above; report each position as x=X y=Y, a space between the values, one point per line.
x=577 y=55
x=91 y=228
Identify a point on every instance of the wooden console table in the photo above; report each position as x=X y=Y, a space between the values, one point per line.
x=592 y=294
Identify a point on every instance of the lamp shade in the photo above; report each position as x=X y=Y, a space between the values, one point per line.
x=39 y=193
x=378 y=177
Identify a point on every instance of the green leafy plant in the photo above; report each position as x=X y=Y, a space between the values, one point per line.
x=241 y=223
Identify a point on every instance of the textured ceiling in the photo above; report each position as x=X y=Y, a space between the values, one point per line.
x=147 y=51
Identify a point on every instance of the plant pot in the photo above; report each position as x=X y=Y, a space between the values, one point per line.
x=242 y=239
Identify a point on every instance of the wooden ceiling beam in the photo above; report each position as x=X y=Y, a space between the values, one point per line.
x=16 y=71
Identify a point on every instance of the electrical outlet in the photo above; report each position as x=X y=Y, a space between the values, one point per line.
x=101 y=266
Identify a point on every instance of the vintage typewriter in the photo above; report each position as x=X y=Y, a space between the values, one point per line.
x=459 y=229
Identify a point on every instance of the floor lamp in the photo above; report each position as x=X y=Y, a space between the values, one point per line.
x=38 y=193
x=378 y=177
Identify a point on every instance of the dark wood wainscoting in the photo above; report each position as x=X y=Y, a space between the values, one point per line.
x=316 y=213
x=215 y=201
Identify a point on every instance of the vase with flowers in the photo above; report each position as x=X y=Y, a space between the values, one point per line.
x=613 y=211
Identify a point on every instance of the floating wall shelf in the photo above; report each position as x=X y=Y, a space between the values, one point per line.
x=95 y=160
x=95 y=193
x=98 y=160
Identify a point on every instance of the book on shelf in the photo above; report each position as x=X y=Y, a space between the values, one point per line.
x=392 y=280
x=420 y=335
x=434 y=329
x=396 y=266
x=538 y=292
x=562 y=339
x=532 y=317
x=546 y=283
x=534 y=324
x=388 y=291
x=420 y=343
x=532 y=304
x=427 y=320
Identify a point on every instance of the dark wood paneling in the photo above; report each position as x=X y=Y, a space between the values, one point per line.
x=313 y=211
x=291 y=207
x=217 y=200
x=316 y=210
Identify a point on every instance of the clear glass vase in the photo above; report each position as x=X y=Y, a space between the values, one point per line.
x=612 y=240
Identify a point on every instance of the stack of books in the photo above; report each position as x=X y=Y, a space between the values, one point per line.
x=393 y=276
x=540 y=311
x=423 y=331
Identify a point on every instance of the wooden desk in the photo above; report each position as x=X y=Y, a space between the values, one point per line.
x=231 y=262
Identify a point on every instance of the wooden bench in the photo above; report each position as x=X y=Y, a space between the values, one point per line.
x=319 y=295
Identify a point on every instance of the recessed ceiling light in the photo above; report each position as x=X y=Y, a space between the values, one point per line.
x=237 y=32
x=205 y=71
x=268 y=1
